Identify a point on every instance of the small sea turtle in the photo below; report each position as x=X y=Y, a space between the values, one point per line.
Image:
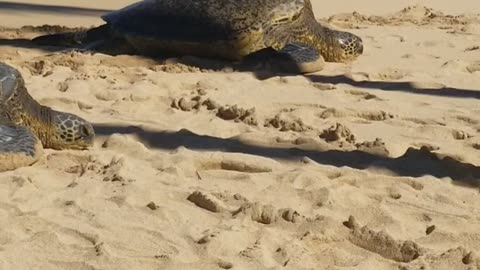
x=26 y=127
x=285 y=31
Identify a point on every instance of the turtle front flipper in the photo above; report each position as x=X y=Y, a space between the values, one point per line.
x=299 y=58
x=19 y=147
x=292 y=58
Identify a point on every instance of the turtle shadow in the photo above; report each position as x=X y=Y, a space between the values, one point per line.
x=258 y=64
x=262 y=68
x=413 y=163
x=27 y=44
x=408 y=87
x=195 y=61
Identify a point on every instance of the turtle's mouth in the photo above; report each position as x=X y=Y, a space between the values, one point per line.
x=82 y=143
x=72 y=142
x=78 y=145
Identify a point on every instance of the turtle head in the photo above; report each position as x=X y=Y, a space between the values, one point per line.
x=71 y=132
x=346 y=47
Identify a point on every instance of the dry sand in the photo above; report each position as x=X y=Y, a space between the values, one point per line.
x=370 y=165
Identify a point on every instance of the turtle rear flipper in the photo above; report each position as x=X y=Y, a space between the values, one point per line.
x=19 y=147
x=98 y=39
x=292 y=58
x=69 y=39
x=73 y=39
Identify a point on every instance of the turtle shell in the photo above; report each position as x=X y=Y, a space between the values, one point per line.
x=215 y=27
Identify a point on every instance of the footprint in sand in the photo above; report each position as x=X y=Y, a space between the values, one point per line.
x=376 y=147
x=363 y=95
x=318 y=197
x=461 y=135
x=195 y=102
x=338 y=133
x=225 y=112
x=454 y=258
x=375 y=115
x=106 y=95
x=473 y=67
x=207 y=237
x=462 y=66
x=82 y=165
x=324 y=86
x=261 y=213
x=187 y=104
x=39 y=67
x=286 y=122
x=175 y=68
x=390 y=74
x=205 y=85
x=207 y=201
x=112 y=172
x=382 y=243
x=467 y=120
x=238 y=114
x=73 y=60
x=70 y=162
x=267 y=214
x=365 y=115
x=455 y=65
x=335 y=113
x=224 y=264
x=472 y=48
x=424 y=122
x=475 y=146
x=63 y=86
x=201 y=87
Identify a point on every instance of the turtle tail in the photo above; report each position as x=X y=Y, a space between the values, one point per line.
x=72 y=39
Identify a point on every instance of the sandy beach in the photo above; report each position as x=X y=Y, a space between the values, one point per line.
x=373 y=164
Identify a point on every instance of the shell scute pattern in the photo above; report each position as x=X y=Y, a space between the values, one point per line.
x=200 y=19
x=285 y=12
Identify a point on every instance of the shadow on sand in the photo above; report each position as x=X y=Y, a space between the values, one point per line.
x=408 y=87
x=414 y=163
x=13 y=6
x=256 y=66
x=25 y=43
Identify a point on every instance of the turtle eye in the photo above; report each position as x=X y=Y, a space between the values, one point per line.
x=84 y=132
x=343 y=43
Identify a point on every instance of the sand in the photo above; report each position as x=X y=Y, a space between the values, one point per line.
x=368 y=165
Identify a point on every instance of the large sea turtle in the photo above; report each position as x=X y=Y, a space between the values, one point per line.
x=284 y=30
x=26 y=127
